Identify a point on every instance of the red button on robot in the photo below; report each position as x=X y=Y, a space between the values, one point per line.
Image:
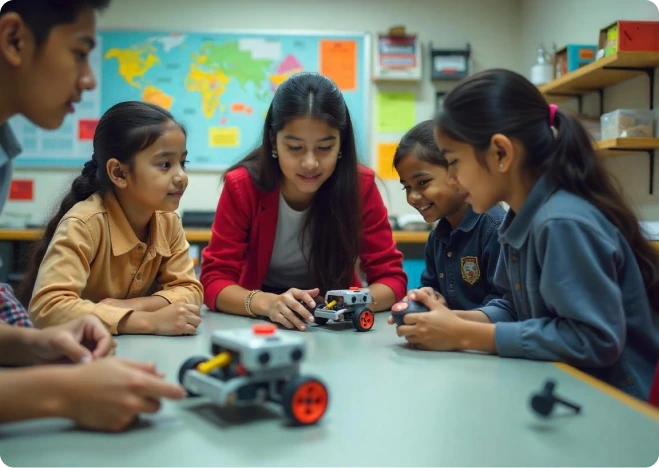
x=264 y=329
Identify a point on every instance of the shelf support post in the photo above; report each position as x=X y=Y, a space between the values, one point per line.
x=650 y=72
x=651 y=154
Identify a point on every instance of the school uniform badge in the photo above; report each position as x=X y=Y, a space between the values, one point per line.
x=471 y=271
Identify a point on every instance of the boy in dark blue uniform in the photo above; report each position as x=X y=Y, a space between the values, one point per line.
x=463 y=250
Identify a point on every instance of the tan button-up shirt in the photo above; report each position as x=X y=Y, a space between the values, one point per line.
x=95 y=255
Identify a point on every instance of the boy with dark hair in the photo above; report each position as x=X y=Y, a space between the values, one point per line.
x=44 y=45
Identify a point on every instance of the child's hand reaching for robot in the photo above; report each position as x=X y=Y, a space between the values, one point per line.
x=286 y=308
x=108 y=394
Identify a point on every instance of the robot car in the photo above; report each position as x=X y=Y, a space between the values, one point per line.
x=346 y=304
x=252 y=366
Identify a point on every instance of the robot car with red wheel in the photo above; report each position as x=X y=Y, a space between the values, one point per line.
x=253 y=366
x=346 y=304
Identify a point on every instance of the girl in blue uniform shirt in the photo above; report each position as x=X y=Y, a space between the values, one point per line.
x=580 y=280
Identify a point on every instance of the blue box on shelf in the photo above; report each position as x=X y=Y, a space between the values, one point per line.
x=574 y=56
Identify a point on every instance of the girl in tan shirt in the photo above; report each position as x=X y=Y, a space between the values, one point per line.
x=116 y=248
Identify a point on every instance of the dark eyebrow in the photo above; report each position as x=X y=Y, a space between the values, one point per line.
x=293 y=137
x=166 y=154
x=91 y=43
x=420 y=174
x=417 y=176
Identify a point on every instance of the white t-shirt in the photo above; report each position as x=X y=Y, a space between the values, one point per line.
x=288 y=266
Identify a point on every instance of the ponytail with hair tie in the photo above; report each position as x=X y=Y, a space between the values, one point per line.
x=553 y=108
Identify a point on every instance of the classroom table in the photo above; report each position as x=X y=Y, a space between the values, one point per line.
x=389 y=405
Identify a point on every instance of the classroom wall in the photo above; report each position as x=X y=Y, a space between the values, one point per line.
x=491 y=26
x=579 y=22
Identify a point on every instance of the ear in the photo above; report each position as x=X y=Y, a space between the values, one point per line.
x=16 y=39
x=502 y=151
x=117 y=173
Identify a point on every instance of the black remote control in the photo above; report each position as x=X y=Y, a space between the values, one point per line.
x=413 y=307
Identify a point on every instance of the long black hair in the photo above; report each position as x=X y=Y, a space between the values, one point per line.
x=420 y=140
x=334 y=218
x=501 y=101
x=123 y=131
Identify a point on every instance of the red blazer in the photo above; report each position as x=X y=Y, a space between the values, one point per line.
x=654 y=391
x=243 y=236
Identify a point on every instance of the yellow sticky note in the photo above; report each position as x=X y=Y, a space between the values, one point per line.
x=224 y=137
x=396 y=112
x=386 y=153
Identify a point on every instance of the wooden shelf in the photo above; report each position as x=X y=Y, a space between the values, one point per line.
x=196 y=235
x=621 y=146
x=600 y=74
x=405 y=237
x=411 y=237
x=8 y=234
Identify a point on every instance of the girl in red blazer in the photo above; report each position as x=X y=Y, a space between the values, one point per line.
x=297 y=213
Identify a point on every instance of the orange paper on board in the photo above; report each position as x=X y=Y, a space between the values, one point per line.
x=338 y=61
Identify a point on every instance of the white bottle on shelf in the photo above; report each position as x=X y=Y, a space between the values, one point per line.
x=542 y=71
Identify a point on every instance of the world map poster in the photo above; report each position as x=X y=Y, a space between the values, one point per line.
x=219 y=85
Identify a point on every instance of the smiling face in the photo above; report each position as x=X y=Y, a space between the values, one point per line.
x=307 y=151
x=429 y=188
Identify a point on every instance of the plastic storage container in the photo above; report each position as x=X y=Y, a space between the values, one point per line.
x=627 y=123
x=592 y=125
